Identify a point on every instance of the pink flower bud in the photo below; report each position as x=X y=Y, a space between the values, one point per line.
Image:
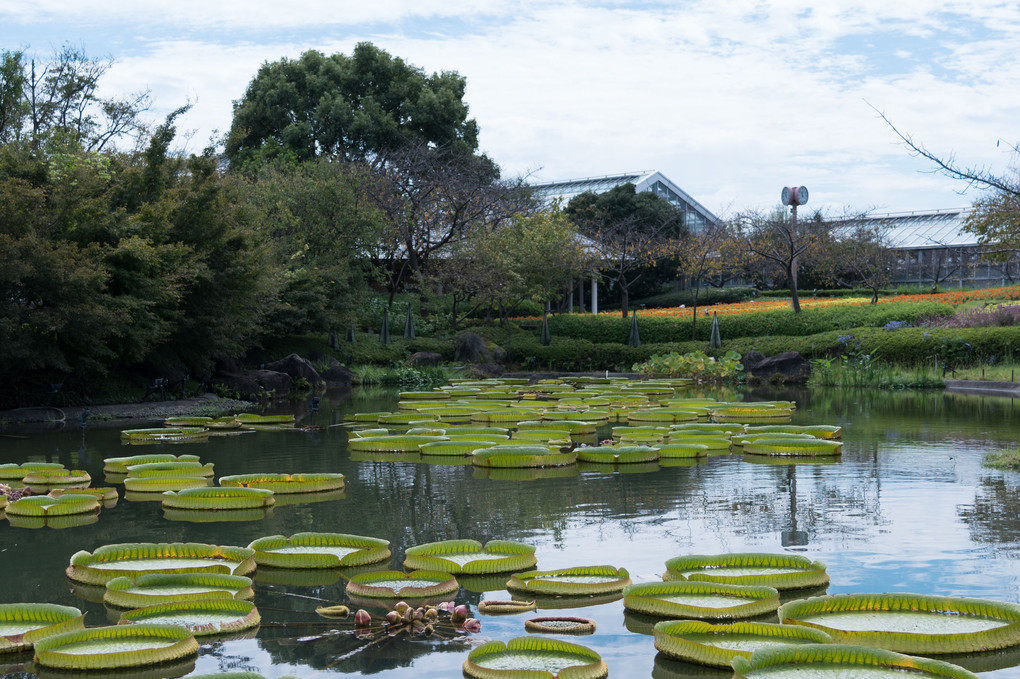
x=460 y=613
x=401 y=606
x=392 y=617
x=473 y=625
x=362 y=618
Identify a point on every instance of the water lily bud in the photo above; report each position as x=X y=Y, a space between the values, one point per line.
x=401 y=607
x=392 y=618
x=447 y=606
x=418 y=627
x=362 y=618
x=429 y=629
x=472 y=625
x=460 y=613
x=408 y=615
x=432 y=615
x=419 y=614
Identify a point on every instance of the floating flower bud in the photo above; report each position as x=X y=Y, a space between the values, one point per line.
x=408 y=615
x=362 y=618
x=393 y=618
x=472 y=625
x=401 y=606
x=429 y=629
x=419 y=614
x=460 y=613
x=431 y=615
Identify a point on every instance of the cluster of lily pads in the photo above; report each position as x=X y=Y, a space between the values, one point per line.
x=37 y=494
x=194 y=429
x=510 y=424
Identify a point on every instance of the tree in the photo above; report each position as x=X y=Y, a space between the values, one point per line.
x=348 y=108
x=702 y=255
x=860 y=255
x=432 y=198
x=627 y=232
x=777 y=239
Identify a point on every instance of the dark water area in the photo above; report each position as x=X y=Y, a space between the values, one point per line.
x=908 y=508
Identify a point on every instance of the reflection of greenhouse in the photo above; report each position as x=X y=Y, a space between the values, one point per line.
x=934 y=248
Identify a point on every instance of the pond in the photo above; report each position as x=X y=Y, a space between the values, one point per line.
x=909 y=508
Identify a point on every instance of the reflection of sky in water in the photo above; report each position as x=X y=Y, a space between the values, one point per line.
x=909 y=508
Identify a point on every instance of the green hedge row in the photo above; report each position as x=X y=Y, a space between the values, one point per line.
x=661 y=329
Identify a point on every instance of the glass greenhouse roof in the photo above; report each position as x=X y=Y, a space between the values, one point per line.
x=917 y=230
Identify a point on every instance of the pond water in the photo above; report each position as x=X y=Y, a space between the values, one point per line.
x=909 y=508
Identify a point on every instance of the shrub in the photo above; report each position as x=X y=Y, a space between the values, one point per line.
x=696 y=365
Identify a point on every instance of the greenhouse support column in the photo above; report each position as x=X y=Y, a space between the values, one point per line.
x=570 y=296
x=594 y=296
x=580 y=293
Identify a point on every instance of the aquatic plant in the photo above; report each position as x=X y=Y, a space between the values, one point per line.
x=319 y=550
x=134 y=559
x=21 y=625
x=397 y=584
x=839 y=660
x=703 y=643
x=780 y=571
x=119 y=465
x=792 y=447
x=119 y=646
x=155 y=588
x=201 y=617
x=909 y=623
x=471 y=557
x=534 y=657
x=319 y=482
x=510 y=455
x=700 y=600
x=45 y=505
x=560 y=624
x=580 y=581
x=213 y=499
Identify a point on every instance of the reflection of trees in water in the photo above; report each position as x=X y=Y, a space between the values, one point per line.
x=994 y=517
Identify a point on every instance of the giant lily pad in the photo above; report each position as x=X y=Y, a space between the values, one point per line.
x=534 y=658
x=172 y=468
x=471 y=557
x=821 y=431
x=210 y=499
x=398 y=585
x=100 y=648
x=45 y=505
x=43 y=480
x=134 y=559
x=617 y=455
x=201 y=617
x=910 y=623
x=21 y=625
x=582 y=581
x=781 y=571
x=164 y=435
x=793 y=447
x=319 y=550
x=158 y=588
x=391 y=444
x=119 y=465
x=700 y=600
x=521 y=456
x=17 y=472
x=835 y=661
x=287 y=483
x=706 y=644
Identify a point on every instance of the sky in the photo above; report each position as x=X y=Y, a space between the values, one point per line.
x=732 y=100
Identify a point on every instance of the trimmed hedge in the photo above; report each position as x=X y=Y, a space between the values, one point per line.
x=661 y=329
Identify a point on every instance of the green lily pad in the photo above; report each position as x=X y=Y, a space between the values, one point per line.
x=706 y=644
x=534 y=657
x=202 y=617
x=471 y=557
x=700 y=600
x=21 y=625
x=134 y=559
x=834 y=661
x=158 y=588
x=397 y=585
x=781 y=571
x=100 y=648
x=581 y=581
x=319 y=550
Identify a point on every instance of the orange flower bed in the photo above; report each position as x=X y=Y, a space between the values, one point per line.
x=955 y=298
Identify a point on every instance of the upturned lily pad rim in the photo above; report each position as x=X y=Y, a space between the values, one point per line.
x=844 y=655
x=361 y=585
x=670 y=639
x=213 y=498
x=647 y=598
x=911 y=642
x=369 y=550
x=47 y=505
x=536 y=582
x=793 y=446
x=590 y=664
x=568 y=625
x=48 y=654
x=505 y=606
x=56 y=619
x=517 y=556
x=81 y=570
x=127 y=592
x=238 y=615
x=811 y=573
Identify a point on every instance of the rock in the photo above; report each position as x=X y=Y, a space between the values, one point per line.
x=483 y=370
x=297 y=368
x=422 y=359
x=787 y=367
x=254 y=385
x=752 y=360
x=339 y=375
x=473 y=348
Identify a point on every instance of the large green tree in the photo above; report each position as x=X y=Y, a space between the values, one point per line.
x=347 y=107
x=628 y=232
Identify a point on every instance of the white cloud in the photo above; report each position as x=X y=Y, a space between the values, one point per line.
x=730 y=100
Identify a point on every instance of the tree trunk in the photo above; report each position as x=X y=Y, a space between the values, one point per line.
x=624 y=299
x=792 y=275
x=694 y=308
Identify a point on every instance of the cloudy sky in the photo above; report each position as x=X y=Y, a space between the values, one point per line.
x=731 y=100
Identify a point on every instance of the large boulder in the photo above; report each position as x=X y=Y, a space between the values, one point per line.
x=787 y=367
x=338 y=375
x=424 y=359
x=752 y=360
x=297 y=368
x=473 y=348
x=255 y=385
